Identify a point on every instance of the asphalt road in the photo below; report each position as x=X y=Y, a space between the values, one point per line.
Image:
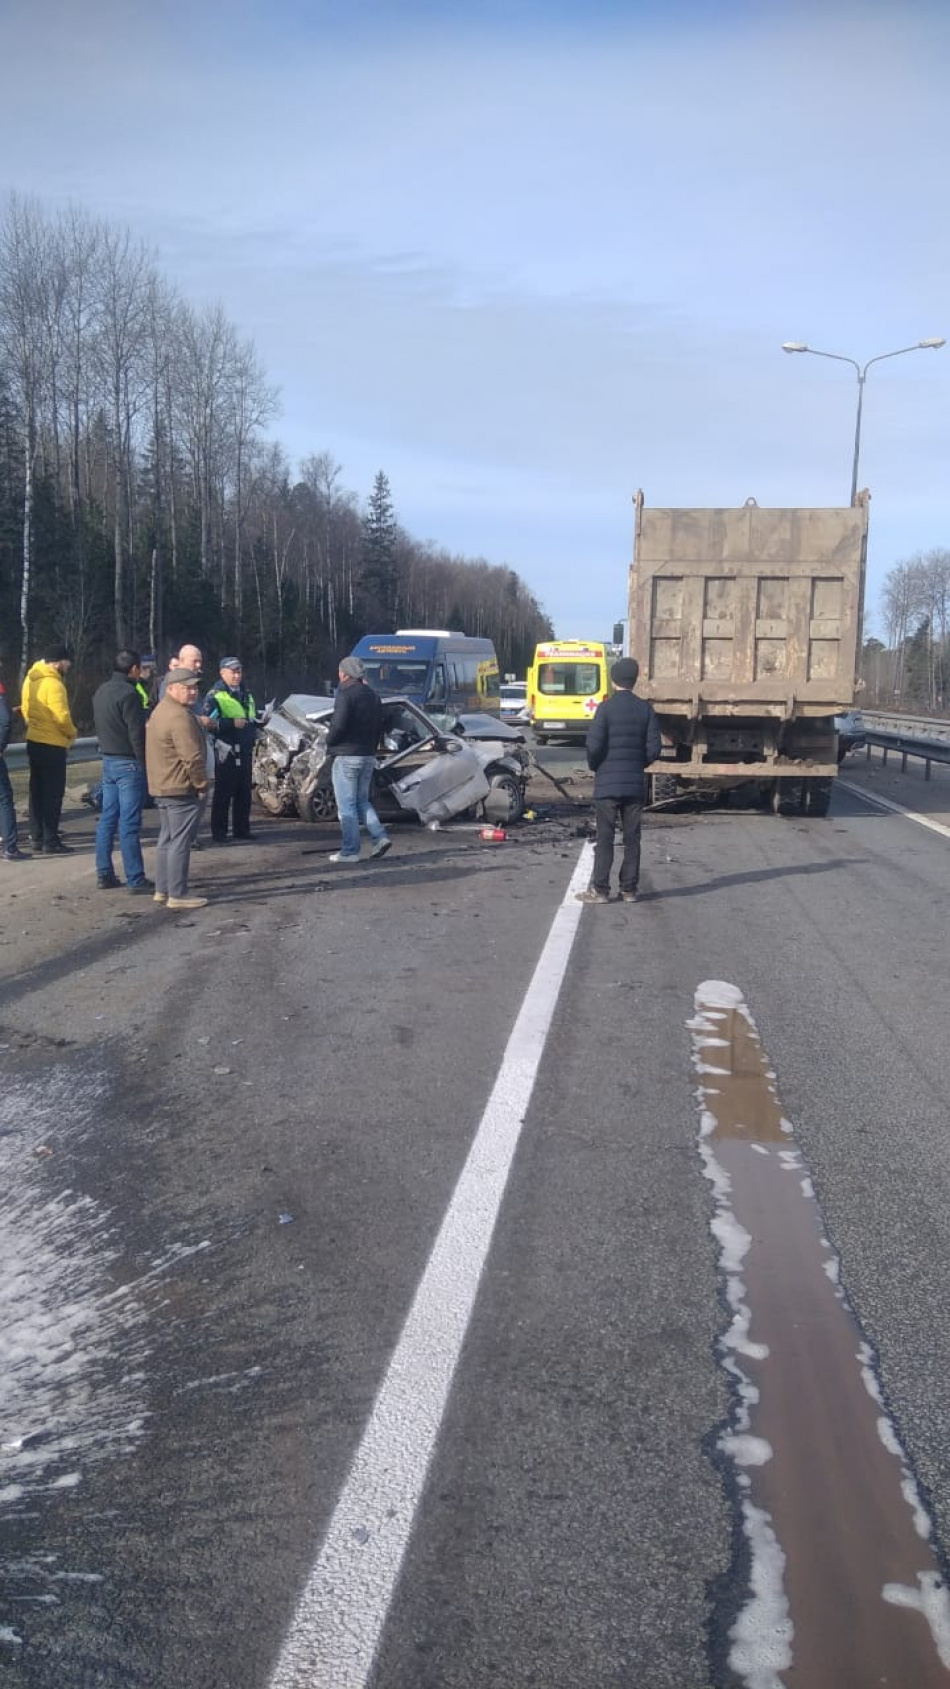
x=228 y=1144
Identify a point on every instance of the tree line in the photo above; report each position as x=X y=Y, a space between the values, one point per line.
x=142 y=503
x=912 y=668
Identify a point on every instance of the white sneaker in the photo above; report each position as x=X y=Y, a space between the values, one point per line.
x=339 y=857
x=381 y=846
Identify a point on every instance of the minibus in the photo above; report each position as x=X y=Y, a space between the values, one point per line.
x=449 y=674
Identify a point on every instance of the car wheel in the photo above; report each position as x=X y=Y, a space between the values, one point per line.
x=316 y=803
x=504 y=801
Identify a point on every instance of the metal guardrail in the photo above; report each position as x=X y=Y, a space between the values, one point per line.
x=923 y=737
x=918 y=727
x=81 y=750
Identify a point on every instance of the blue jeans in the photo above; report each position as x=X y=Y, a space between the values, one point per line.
x=123 y=792
x=8 y=828
x=352 y=778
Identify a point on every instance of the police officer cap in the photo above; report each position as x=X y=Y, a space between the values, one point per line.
x=230 y=663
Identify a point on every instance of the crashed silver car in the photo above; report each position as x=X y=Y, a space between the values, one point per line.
x=480 y=765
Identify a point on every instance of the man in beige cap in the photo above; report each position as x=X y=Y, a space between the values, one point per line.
x=178 y=781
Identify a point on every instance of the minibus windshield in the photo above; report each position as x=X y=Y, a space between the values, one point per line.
x=404 y=677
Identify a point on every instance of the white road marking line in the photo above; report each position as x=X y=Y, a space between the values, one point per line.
x=898 y=809
x=340 y=1616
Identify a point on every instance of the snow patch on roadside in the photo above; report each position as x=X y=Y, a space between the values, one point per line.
x=72 y=1343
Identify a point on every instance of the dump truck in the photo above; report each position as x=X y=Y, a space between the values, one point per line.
x=747 y=626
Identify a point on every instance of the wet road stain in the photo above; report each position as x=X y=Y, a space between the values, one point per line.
x=845 y=1590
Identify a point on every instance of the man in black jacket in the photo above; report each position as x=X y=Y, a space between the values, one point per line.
x=352 y=741
x=623 y=740
x=120 y=728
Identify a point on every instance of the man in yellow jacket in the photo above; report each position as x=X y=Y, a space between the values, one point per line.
x=49 y=733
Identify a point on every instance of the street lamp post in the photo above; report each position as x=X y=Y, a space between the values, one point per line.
x=932 y=345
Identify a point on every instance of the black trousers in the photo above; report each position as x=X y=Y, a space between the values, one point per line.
x=607 y=812
x=47 y=790
x=232 y=797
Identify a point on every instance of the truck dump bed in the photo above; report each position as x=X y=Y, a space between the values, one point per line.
x=748 y=612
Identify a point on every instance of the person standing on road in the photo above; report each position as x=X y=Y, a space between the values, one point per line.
x=9 y=837
x=190 y=657
x=147 y=684
x=50 y=731
x=352 y=741
x=230 y=702
x=120 y=728
x=177 y=778
x=622 y=741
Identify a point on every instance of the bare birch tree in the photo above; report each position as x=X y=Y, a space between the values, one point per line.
x=23 y=343
x=123 y=278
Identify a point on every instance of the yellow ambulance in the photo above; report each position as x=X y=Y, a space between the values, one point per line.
x=566 y=682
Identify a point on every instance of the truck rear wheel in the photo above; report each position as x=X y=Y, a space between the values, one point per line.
x=817 y=797
x=788 y=797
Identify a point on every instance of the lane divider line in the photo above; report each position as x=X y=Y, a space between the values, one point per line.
x=339 y=1620
x=896 y=808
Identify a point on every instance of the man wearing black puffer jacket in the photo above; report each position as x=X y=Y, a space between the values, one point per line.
x=623 y=740
x=120 y=728
x=352 y=741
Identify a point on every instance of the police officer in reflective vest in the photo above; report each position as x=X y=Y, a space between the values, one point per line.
x=233 y=711
x=146 y=686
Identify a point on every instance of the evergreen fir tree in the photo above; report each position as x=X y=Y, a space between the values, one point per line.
x=380 y=578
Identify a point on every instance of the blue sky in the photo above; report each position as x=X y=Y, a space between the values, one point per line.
x=527 y=257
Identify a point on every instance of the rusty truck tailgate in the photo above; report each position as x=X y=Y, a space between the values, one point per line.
x=744 y=609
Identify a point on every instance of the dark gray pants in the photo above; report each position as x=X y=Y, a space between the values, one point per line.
x=176 y=823
x=608 y=811
x=200 y=808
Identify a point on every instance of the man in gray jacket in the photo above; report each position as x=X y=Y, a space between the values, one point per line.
x=624 y=738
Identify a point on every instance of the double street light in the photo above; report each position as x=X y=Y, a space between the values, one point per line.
x=933 y=345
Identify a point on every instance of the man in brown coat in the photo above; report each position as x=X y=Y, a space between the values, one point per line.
x=178 y=780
